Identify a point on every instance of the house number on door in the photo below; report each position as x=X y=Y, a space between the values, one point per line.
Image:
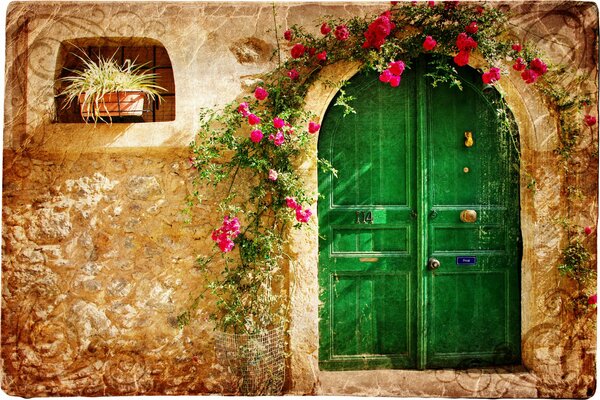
x=364 y=217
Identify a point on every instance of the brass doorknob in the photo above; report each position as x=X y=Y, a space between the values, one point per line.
x=468 y=216
x=433 y=263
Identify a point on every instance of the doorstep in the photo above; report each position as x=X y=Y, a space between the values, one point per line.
x=485 y=383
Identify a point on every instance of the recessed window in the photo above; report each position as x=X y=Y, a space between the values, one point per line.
x=150 y=54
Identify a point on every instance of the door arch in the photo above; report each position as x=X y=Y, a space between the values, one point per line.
x=406 y=173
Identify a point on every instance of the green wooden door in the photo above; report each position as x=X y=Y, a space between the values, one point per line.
x=405 y=175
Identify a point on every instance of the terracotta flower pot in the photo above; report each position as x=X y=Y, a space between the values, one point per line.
x=113 y=104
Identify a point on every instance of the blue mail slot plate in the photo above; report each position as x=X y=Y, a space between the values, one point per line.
x=466 y=260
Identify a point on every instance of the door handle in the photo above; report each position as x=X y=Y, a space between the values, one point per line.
x=433 y=264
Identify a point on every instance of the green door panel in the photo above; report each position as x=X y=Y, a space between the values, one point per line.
x=367 y=274
x=472 y=311
x=404 y=176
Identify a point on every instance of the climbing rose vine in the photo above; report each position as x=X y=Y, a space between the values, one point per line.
x=248 y=149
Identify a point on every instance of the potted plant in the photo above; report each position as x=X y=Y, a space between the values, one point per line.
x=106 y=88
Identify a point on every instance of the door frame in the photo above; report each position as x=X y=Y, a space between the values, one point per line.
x=303 y=268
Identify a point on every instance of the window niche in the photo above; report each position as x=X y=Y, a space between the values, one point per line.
x=149 y=52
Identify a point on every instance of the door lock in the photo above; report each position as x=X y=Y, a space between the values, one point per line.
x=433 y=264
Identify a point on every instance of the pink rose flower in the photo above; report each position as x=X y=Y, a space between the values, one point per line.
x=228 y=231
x=298 y=50
x=273 y=175
x=593 y=299
x=256 y=135
x=472 y=27
x=429 y=43
x=529 y=76
x=517 y=47
x=538 y=66
x=395 y=81
x=260 y=93
x=293 y=74
x=342 y=32
x=291 y=203
x=277 y=139
x=462 y=58
x=313 y=127
x=303 y=216
x=226 y=245
x=519 y=64
x=287 y=35
x=385 y=76
x=278 y=123
x=325 y=29
x=322 y=56
x=589 y=120
x=253 y=119
x=243 y=109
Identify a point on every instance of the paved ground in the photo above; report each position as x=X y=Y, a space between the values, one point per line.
x=484 y=383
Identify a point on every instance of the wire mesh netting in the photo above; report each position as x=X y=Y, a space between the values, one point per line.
x=256 y=360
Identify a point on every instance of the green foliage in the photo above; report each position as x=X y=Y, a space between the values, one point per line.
x=575 y=262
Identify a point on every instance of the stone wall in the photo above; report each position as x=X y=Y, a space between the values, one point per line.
x=96 y=256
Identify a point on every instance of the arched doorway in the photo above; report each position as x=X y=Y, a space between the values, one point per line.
x=405 y=281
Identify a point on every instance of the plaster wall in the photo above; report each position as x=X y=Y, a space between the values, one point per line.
x=97 y=260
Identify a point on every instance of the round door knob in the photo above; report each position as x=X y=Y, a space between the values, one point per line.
x=433 y=263
x=468 y=216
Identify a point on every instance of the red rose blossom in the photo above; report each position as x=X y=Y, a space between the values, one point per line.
x=397 y=67
x=395 y=80
x=529 y=76
x=256 y=135
x=431 y=3
x=588 y=230
x=378 y=31
x=325 y=29
x=385 y=76
x=517 y=47
x=519 y=64
x=313 y=127
x=429 y=43
x=322 y=56
x=342 y=32
x=462 y=58
x=593 y=299
x=589 y=120
x=260 y=93
x=479 y=10
x=298 y=50
x=492 y=76
x=293 y=74
x=450 y=5
x=472 y=27
x=538 y=66
x=287 y=35
x=253 y=119
x=278 y=123
x=465 y=43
